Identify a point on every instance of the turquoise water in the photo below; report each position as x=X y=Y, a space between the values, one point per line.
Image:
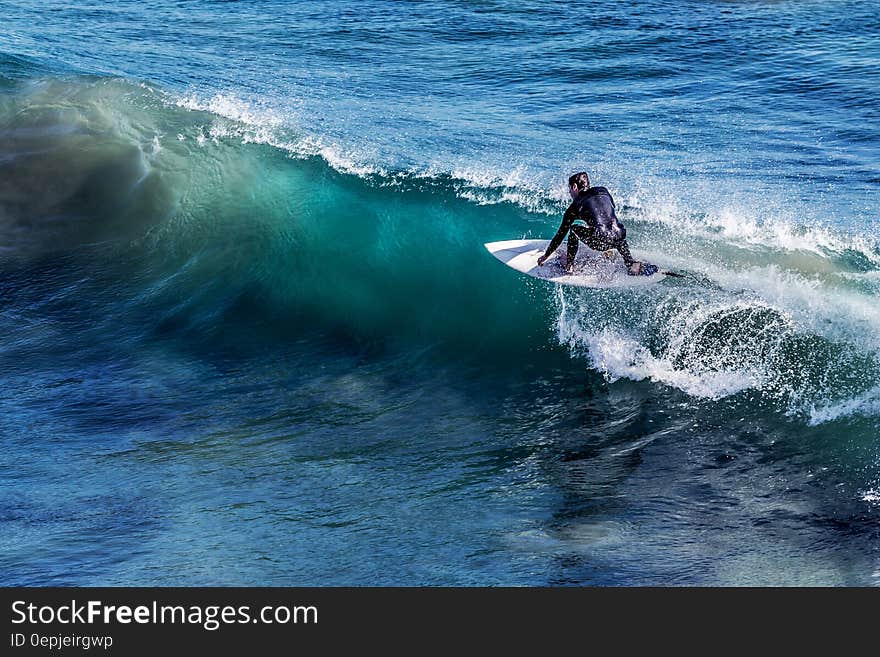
x=251 y=335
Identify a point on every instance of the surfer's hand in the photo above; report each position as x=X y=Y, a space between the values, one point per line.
x=542 y=260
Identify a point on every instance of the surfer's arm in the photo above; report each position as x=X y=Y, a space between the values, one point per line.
x=567 y=220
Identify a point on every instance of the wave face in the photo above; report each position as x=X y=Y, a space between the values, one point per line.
x=243 y=285
x=191 y=215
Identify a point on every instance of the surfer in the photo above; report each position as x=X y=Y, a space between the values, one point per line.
x=600 y=229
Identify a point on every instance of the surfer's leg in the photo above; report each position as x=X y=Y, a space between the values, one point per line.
x=577 y=234
x=623 y=248
x=572 y=249
x=634 y=267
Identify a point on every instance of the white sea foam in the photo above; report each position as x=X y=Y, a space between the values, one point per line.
x=617 y=355
x=748 y=224
x=683 y=361
x=264 y=125
x=717 y=344
x=231 y=107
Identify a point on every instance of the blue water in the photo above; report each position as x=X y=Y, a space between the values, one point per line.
x=250 y=335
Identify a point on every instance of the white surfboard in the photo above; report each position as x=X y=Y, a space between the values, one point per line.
x=591 y=268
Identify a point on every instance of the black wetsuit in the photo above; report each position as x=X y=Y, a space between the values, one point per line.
x=594 y=207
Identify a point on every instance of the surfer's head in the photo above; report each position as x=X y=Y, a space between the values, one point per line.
x=578 y=182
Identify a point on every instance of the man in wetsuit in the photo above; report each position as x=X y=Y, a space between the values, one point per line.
x=600 y=229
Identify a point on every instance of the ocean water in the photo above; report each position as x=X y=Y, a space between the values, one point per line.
x=250 y=335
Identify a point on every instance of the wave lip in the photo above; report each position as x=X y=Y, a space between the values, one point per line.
x=649 y=203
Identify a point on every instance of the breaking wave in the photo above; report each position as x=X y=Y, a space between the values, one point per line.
x=190 y=213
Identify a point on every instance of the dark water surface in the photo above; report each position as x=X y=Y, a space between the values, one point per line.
x=250 y=334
